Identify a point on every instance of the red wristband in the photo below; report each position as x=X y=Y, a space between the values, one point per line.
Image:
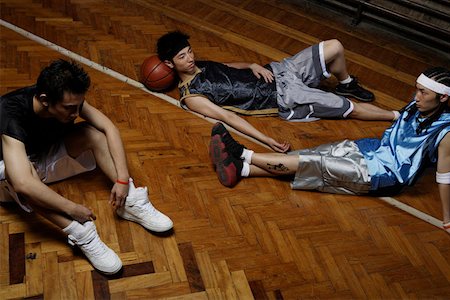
x=122 y=182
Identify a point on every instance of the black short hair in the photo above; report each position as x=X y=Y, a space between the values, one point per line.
x=62 y=76
x=170 y=44
x=438 y=74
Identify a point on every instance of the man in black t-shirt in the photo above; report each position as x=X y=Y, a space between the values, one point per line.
x=41 y=143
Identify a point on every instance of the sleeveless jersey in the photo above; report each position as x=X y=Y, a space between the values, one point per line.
x=234 y=89
x=400 y=156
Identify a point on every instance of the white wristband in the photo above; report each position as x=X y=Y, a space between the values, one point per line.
x=443 y=178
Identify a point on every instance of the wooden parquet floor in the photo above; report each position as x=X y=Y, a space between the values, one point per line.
x=258 y=240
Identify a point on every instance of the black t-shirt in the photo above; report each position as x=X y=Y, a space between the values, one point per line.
x=19 y=121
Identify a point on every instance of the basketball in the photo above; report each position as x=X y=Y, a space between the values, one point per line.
x=156 y=75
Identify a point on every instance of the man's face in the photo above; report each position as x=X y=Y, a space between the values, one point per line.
x=184 y=61
x=68 y=109
x=427 y=101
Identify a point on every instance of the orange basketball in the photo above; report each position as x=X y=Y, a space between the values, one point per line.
x=156 y=75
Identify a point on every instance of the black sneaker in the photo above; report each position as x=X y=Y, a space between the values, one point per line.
x=353 y=89
x=229 y=170
x=233 y=147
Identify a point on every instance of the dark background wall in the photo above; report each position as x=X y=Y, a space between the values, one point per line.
x=426 y=23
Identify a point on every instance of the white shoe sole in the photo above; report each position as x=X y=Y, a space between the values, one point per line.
x=154 y=228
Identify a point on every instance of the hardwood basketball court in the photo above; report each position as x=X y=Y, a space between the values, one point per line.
x=258 y=240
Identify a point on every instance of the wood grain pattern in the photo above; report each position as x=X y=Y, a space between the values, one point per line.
x=259 y=240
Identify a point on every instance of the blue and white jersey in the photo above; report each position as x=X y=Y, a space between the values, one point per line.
x=402 y=153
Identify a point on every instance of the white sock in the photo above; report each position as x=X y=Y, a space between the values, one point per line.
x=396 y=115
x=76 y=229
x=247 y=155
x=345 y=81
x=245 y=169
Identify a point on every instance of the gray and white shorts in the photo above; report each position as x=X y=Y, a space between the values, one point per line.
x=297 y=79
x=338 y=168
x=56 y=165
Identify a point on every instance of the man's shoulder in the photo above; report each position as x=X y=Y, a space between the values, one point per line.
x=444 y=144
x=28 y=91
x=17 y=101
x=203 y=64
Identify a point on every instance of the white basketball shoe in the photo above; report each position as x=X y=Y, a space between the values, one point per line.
x=139 y=209
x=101 y=256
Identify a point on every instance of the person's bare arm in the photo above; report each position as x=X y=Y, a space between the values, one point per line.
x=443 y=166
x=22 y=176
x=97 y=119
x=258 y=70
x=205 y=107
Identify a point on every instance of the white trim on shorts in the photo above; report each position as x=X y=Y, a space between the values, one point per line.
x=350 y=109
x=308 y=117
x=322 y=61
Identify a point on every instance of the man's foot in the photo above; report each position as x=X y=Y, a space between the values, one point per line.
x=101 y=256
x=353 y=89
x=229 y=169
x=138 y=209
x=219 y=134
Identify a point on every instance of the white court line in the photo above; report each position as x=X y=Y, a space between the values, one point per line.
x=411 y=210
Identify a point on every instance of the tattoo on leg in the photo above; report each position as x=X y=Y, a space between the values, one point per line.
x=279 y=167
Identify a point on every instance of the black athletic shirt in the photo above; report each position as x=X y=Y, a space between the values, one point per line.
x=18 y=120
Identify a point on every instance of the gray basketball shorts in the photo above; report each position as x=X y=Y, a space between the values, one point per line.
x=297 y=79
x=338 y=168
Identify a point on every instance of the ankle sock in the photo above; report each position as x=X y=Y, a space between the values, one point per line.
x=75 y=229
x=247 y=155
x=245 y=169
x=345 y=81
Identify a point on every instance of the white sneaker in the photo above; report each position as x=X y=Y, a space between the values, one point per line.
x=101 y=256
x=138 y=209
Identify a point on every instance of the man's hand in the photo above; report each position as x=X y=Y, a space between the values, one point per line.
x=278 y=147
x=81 y=213
x=118 y=195
x=260 y=71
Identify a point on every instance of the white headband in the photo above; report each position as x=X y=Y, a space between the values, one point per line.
x=433 y=85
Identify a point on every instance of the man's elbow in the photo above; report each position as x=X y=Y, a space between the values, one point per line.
x=22 y=185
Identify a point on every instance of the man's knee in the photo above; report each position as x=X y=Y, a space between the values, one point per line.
x=93 y=136
x=333 y=48
x=85 y=137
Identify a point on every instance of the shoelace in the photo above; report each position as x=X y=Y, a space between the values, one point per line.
x=93 y=245
x=142 y=201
